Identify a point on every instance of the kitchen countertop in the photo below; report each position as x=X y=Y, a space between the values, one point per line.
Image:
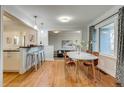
x=11 y=50
x=31 y=46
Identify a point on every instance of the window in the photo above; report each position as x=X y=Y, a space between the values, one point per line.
x=106 y=42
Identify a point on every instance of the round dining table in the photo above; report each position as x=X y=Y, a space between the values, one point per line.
x=80 y=55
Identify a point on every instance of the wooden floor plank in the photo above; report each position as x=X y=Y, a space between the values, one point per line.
x=55 y=74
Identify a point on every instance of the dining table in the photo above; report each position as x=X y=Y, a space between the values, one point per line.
x=81 y=56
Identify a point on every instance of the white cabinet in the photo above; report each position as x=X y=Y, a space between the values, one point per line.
x=49 y=53
x=11 y=61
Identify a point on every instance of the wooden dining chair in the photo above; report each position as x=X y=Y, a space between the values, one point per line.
x=66 y=58
x=70 y=66
x=89 y=64
x=88 y=51
x=68 y=61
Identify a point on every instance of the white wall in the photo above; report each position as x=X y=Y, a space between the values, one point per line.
x=102 y=17
x=106 y=63
x=12 y=34
x=85 y=34
x=18 y=13
x=10 y=46
x=56 y=39
x=43 y=37
x=85 y=29
x=15 y=11
x=106 y=14
x=49 y=53
x=1 y=56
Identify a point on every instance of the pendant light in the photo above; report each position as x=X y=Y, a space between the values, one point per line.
x=35 y=24
x=42 y=24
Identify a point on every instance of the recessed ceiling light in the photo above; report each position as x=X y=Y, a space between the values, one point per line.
x=64 y=18
x=56 y=32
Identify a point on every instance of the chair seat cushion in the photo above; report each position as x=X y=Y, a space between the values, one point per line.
x=70 y=62
x=90 y=63
x=87 y=63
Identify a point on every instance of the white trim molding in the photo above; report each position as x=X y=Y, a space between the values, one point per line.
x=114 y=20
x=1 y=47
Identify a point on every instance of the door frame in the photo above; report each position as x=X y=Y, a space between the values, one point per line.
x=1 y=46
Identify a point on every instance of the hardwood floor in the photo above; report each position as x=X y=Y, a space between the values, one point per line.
x=54 y=74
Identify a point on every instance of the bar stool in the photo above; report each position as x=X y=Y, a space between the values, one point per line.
x=42 y=56
x=36 y=59
x=43 y=53
x=32 y=60
x=29 y=60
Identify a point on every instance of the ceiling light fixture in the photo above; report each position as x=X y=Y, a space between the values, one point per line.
x=35 y=24
x=78 y=31
x=42 y=27
x=64 y=18
x=56 y=32
x=42 y=31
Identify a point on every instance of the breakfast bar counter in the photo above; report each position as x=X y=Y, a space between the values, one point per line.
x=24 y=53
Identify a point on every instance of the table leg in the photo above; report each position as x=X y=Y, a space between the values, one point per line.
x=94 y=74
x=77 y=72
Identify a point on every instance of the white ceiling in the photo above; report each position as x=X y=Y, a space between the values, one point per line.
x=12 y=24
x=82 y=14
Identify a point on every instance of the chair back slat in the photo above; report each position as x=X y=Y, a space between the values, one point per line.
x=95 y=53
x=88 y=51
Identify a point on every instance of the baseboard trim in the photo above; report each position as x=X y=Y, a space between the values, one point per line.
x=103 y=72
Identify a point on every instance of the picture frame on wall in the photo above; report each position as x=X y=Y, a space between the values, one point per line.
x=8 y=40
x=67 y=44
x=16 y=40
x=31 y=38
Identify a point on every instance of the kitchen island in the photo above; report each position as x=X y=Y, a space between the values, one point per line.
x=15 y=60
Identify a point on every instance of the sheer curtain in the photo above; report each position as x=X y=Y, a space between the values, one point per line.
x=120 y=50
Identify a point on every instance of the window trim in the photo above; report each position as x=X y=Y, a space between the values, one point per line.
x=111 y=55
x=114 y=20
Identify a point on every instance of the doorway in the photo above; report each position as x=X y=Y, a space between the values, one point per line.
x=63 y=41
